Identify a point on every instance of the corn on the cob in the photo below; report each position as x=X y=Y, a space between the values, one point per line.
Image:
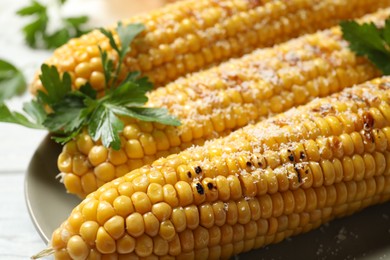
x=221 y=99
x=192 y=34
x=261 y=184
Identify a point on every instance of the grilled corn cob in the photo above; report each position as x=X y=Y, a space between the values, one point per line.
x=261 y=184
x=190 y=35
x=214 y=102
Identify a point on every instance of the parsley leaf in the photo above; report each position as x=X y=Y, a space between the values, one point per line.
x=36 y=111
x=67 y=115
x=17 y=118
x=36 y=34
x=369 y=41
x=55 y=86
x=126 y=36
x=106 y=127
x=12 y=81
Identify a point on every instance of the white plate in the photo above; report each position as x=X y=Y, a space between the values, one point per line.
x=365 y=235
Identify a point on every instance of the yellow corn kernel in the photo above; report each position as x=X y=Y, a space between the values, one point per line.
x=162 y=211
x=97 y=155
x=104 y=212
x=167 y=230
x=115 y=226
x=134 y=149
x=104 y=242
x=77 y=248
x=125 y=245
x=184 y=193
x=141 y=202
x=151 y=224
x=144 y=246
x=88 y=231
x=105 y=172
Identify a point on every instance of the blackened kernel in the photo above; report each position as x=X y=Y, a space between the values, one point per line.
x=297 y=170
x=198 y=169
x=210 y=185
x=199 y=188
x=249 y=164
x=369 y=136
x=189 y=174
x=307 y=171
x=368 y=121
x=299 y=177
x=291 y=157
x=302 y=155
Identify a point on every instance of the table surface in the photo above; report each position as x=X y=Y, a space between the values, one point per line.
x=18 y=237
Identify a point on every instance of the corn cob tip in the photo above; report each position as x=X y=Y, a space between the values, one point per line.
x=46 y=252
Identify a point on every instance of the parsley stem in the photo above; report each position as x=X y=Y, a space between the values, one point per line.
x=116 y=75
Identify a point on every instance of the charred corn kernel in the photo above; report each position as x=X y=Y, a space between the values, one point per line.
x=212 y=110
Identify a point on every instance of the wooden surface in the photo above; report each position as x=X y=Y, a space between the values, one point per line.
x=18 y=238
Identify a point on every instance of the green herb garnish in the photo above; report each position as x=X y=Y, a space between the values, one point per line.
x=370 y=41
x=12 y=81
x=65 y=112
x=36 y=33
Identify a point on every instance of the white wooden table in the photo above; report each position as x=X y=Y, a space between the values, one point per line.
x=18 y=238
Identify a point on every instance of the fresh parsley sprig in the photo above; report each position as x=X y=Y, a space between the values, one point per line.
x=370 y=41
x=12 y=81
x=65 y=112
x=36 y=33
